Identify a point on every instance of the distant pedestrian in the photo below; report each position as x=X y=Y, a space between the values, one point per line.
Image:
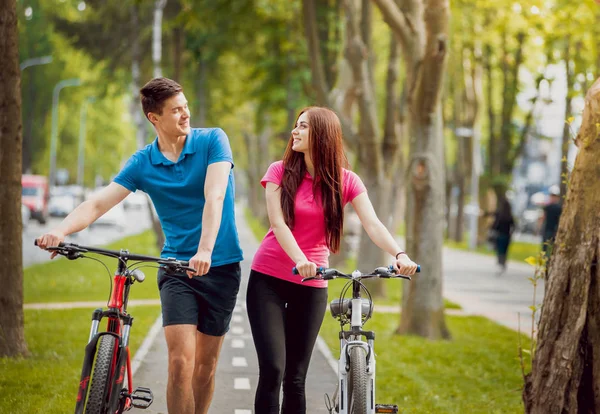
x=502 y=228
x=549 y=221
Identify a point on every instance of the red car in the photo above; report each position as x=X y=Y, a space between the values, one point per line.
x=35 y=195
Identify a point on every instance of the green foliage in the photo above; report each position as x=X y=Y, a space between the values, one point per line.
x=46 y=381
x=109 y=135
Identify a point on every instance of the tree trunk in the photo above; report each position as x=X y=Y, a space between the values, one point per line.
x=202 y=92
x=566 y=137
x=565 y=376
x=178 y=47
x=159 y=6
x=12 y=337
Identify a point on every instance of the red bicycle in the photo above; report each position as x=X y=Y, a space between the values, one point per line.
x=107 y=360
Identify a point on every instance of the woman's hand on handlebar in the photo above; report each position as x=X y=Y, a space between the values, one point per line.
x=306 y=268
x=404 y=266
x=50 y=239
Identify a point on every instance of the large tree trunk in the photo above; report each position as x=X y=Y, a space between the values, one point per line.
x=12 y=337
x=423 y=36
x=566 y=137
x=565 y=376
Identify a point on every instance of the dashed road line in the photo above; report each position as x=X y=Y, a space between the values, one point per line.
x=238 y=343
x=239 y=362
x=241 y=383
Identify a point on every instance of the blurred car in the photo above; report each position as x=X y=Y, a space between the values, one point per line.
x=35 y=195
x=113 y=217
x=25 y=215
x=135 y=201
x=61 y=205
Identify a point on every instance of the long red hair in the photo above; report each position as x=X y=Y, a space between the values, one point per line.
x=329 y=159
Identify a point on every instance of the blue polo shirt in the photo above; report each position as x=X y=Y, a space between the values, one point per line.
x=177 y=191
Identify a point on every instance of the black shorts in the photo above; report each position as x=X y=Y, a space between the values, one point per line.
x=205 y=301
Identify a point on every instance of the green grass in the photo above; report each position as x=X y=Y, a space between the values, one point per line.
x=46 y=382
x=63 y=280
x=518 y=251
x=476 y=372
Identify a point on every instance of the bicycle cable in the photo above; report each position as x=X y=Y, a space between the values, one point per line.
x=107 y=271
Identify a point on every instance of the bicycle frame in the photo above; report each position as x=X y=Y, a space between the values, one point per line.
x=119 y=326
x=348 y=340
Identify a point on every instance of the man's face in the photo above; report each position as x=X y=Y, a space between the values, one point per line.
x=175 y=117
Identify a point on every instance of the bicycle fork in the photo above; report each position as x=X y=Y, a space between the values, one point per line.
x=341 y=396
x=119 y=396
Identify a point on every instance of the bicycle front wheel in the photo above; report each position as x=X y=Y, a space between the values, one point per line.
x=357 y=382
x=101 y=385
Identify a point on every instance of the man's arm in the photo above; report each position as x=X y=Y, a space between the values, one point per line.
x=85 y=214
x=215 y=187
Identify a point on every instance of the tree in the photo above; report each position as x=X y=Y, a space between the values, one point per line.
x=564 y=377
x=12 y=337
x=422 y=30
x=378 y=150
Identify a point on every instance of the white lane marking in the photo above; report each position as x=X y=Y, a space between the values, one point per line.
x=242 y=411
x=241 y=383
x=324 y=349
x=239 y=362
x=238 y=343
x=142 y=351
x=237 y=330
x=237 y=319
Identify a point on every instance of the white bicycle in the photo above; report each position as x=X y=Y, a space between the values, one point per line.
x=355 y=391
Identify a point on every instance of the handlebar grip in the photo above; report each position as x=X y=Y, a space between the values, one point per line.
x=320 y=269
x=391 y=268
x=61 y=244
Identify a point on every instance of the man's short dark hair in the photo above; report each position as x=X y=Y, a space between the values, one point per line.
x=154 y=94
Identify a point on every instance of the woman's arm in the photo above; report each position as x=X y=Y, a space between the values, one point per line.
x=283 y=234
x=380 y=235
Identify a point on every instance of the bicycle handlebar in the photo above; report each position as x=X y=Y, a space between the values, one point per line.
x=330 y=274
x=74 y=251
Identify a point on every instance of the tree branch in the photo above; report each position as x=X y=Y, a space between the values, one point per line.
x=316 y=63
x=399 y=22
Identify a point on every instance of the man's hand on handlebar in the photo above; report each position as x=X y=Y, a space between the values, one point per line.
x=50 y=239
x=404 y=266
x=201 y=263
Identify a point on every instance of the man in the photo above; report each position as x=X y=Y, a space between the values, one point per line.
x=188 y=175
x=549 y=220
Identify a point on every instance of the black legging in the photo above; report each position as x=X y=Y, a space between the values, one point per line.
x=285 y=319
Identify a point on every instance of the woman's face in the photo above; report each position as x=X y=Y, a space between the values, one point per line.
x=300 y=134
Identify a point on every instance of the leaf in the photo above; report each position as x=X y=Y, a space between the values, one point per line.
x=570 y=120
x=533 y=308
x=526 y=351
x=532 y=260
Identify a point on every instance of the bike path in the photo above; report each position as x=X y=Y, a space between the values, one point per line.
x=470 y=279
x=237 y=371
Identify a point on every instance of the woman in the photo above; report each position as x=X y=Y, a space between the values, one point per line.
x=306 y=193
x=503 y=228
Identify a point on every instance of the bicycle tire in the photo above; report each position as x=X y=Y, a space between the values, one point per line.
x=357 y=381
x=97 y=401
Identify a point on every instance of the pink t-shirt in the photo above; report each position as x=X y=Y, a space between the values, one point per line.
x=309 y=229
